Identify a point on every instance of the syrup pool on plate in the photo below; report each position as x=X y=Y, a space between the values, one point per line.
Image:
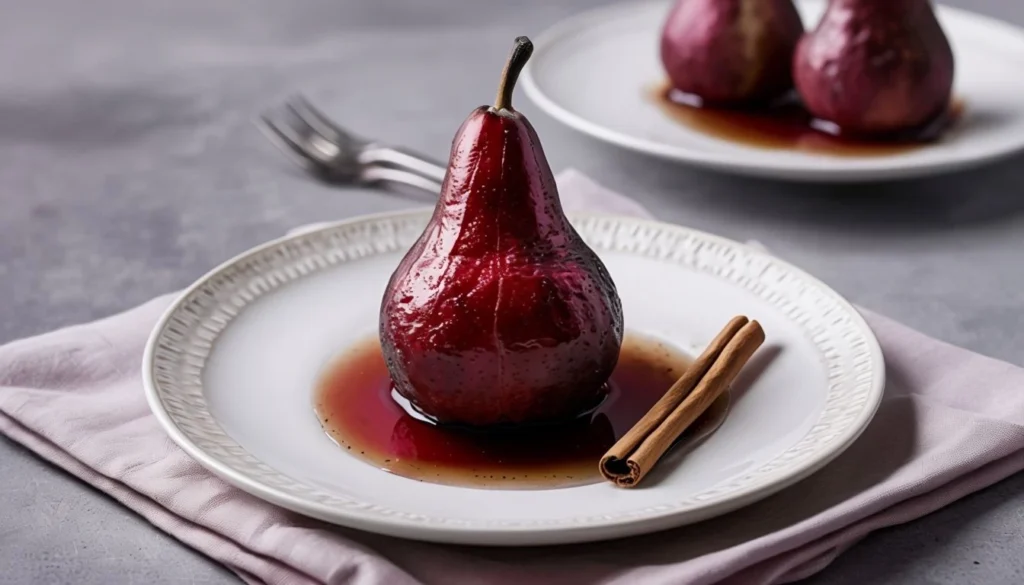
x=788 y=126
x=354 y=405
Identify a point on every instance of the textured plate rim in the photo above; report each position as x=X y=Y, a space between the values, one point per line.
x=509 y=534
x=852 y=169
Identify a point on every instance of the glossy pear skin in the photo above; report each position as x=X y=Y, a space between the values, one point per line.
x=874 y=67
x=731 y=52
x=500 y=314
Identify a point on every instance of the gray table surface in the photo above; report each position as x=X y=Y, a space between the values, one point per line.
x=129 y=166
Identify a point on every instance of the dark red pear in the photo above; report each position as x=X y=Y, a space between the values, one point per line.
x=731 y=52
x=500 y=314
x=875 y=67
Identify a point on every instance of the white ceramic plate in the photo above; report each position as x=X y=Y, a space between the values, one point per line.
x=230 y=370
x=594 y=72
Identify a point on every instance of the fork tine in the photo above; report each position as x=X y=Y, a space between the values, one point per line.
x=286 y=141
x=304 y=110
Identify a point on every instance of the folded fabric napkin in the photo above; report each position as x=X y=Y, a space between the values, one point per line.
x=951 y=423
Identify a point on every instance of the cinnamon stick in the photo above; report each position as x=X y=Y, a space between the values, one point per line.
x=636 y=453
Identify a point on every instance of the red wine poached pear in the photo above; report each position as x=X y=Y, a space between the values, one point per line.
x=500 y=314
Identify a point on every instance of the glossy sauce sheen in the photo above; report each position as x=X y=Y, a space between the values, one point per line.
x=354 y=405
x=789 y=126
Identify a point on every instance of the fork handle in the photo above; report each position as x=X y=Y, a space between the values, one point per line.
x=387 y=163
x=394 y=177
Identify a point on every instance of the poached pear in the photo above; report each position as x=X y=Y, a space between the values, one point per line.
x=874 y=68
x=500 y=314
x=731 y=52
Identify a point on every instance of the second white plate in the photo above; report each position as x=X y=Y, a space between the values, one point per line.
x=594 y=72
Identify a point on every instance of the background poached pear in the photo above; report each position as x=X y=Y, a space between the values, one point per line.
x=875 y=67
x=731 y=52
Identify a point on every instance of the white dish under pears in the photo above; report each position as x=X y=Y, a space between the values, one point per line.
x=595 y=71
x=231 y=367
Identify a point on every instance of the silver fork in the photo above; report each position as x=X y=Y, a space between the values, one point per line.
x=333 y=154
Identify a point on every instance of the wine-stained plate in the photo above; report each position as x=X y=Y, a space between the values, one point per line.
x=230 y=371
x=595 y=71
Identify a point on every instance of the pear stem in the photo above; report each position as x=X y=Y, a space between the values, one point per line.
x=521 y=52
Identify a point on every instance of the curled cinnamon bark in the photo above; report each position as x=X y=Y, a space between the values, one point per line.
x=636 y=453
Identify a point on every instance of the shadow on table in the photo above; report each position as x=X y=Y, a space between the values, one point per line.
x=912 y=552
x=988 y=194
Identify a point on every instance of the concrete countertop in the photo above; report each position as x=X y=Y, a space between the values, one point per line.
x=129 y=166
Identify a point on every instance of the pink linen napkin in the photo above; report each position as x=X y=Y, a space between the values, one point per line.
x=952 y=422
